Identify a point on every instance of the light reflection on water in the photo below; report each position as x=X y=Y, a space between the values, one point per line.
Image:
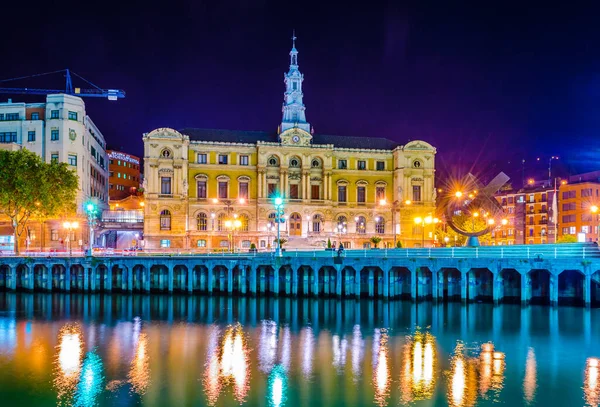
x=194 y=357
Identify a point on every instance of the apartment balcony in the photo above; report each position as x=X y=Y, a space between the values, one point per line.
x=133 y=216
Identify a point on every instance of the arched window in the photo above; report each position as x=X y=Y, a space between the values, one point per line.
x=202 y=220
x=221 y=222
x=379 y=225
x=165 y=153
x=417 y=164
x=273 y=161
x=165 y=220
x=341 y=220
x=361 y=225
x=316 y=163
x=294 y=162
x=317 y=223
x=244 y=220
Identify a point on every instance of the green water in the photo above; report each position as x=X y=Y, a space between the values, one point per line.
x=85 y=350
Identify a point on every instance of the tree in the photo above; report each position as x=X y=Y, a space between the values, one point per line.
x=30 y=188
x=567 y=239
x=466 y=223
x=281 y=241
x=375 y=240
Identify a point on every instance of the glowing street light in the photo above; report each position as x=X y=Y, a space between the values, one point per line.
x=278 y=201
x=504 y=222
x=491 y=221
x=70 y=226
x=458 y=194
x=91 y=209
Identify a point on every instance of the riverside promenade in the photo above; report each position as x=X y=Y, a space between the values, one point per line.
x=545 y=274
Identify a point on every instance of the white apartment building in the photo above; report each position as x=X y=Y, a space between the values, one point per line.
x=60 y=130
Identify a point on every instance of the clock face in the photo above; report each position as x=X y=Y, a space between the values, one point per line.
x=296 y=139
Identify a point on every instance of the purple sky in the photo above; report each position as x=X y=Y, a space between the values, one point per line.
x=487 y=85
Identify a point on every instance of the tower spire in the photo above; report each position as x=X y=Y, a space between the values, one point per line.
x=293 y=107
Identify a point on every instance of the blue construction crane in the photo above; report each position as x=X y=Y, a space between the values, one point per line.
x=95 y=92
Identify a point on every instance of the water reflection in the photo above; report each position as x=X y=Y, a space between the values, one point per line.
x=227 y=364
x=358 y=345
x=308 y=344
x=381 y=376
x=530 y=381
x=591 y=387
x=90 y=382
x=68 y=362
x=417 y=379
x=139 y=371
x=475 y=376
x=277 y=387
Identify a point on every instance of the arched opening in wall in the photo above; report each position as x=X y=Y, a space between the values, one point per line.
x=379 y=225
x=400 y=283
x=285 y=280
x=244 y=222
x=101 y=277
x=570 y=288
x=361 y=225
x=220 y=279
x=119 y=278
x=165 y=220
x=268 y=274
x=424 y=283
x=76 y=278
x=540 y=286
x=371 y=282
x=4 y=272
x=295 y=224
x=510 y=286
x=202 y=222
x=40 y=276
x=158 y=278
x=221 y=222
x=480 y=285
x=200 y=277
x=317 y=224
x=305 y=275
x=58 y=277
x=326 y=277
x=139 y=278
x=180 y=278
x=22 y=273
x=451 y=284
x=348 y=281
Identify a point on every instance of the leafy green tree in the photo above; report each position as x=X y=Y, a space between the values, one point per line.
x=567 y=239
x=30 y=188
x=375 y=240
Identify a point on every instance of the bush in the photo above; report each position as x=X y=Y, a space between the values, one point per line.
x=398 y=245
x=328 y=243
x=567 y=239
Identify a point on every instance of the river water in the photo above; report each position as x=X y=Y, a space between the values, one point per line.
x=113 y=350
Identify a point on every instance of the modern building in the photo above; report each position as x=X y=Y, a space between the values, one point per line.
x=124 y=175
x=215 y=189
x=577 y=201
x=529 y=216
x=58 y=130
x=122 y=226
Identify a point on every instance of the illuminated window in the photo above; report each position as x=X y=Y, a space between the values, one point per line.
x=201 y=189
x=201 y=243
x=244 y=160
x=362 y=165
x=165 y=185
x=342 y=193
x=223 y=159
x=202 y=221
x=223 y=186
x=361 y=194
x=243 y=190
x=165 y=243
x=380 y=225
x=165 y=220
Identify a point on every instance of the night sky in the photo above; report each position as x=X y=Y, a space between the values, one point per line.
x=487 y=85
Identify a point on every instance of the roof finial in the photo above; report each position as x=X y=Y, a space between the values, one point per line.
x=294 y=38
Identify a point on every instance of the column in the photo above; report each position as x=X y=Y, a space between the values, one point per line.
x=68 y=278
x=464 y=276
x=147 y=279
x=329 y=194
x=48 y=274
x=92 y=271
x=315 y=290
x=276 y=279
x=357 y=283
x=12 y=277
x=253 y=280
x=265 y=185
x=525 y=290
x=434 y=285
x=497 y=288
x=260 y=179
x=129 y=279
x=281 y=183
x=288 y=280
x=108 y=282
x=587 y=286
x=553 y=289
x=30 y=282
x=170 y=279
x=472 y=285
x=230 y=280
x=413 y=284
x=190 y=279
x=294 y=282
x=386 y=284
x=261 y=279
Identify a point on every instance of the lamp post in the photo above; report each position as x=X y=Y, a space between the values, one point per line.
x=232 y=225
x=425 y=221
x=279 y=209
x=307 y=225
x=270 y=229
x=70 y=226
x=91 y=210
x=594 y=210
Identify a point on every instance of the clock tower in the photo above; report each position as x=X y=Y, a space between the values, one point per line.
x=294 y=116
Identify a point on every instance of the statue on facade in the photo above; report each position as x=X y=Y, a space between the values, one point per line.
x=185 y=187
x=400 y=191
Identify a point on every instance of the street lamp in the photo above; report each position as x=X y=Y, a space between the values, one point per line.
x=425 y=221
x=278 y=201
x=70 y=226
x=91 y=210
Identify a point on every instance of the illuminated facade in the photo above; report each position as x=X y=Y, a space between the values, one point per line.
x=124 y=175
x=345 y=189
x=576 y=216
